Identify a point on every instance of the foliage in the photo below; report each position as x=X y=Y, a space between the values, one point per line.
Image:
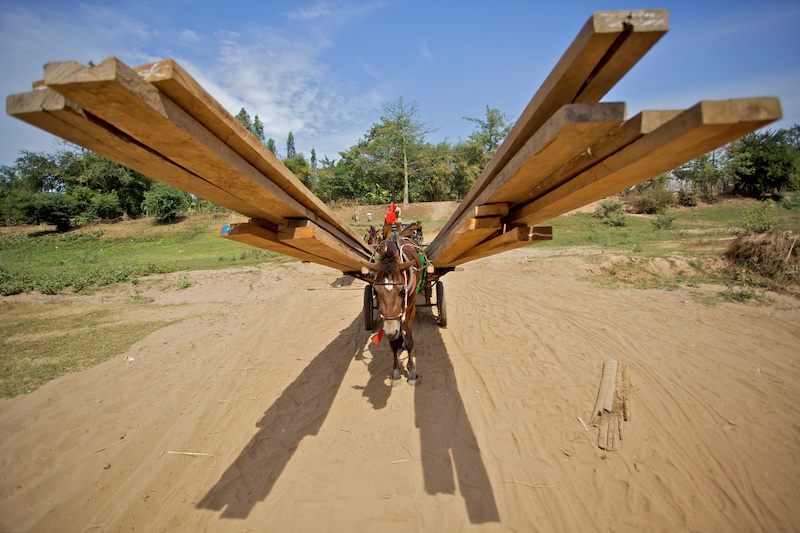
x=688 y=197
x=663 y=221
x=770 y=257
x=165 y=203
x=763 y=164
x=652 y=197
x=611 y=212
x=290 y=150
x=759 y=219
x=791 y=203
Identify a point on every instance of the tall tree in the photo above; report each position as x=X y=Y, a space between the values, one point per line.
x=764 y=163
x=271 y=146
x=290 y=151
x=397 y=141
x=258 y=129
x=244 y=119
x=491 y=131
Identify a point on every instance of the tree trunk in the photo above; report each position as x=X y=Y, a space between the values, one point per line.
x=405 y=178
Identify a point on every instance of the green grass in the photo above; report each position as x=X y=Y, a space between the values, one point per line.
x=40 y=342
x=84 y=259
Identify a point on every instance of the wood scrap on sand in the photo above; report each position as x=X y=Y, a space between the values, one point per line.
x=566 y=150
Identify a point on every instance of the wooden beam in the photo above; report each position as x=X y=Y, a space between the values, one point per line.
x=469 y=233
x=177 y=84
x=515 y=237
x=692 y=133
x=490 y=210
x=309 y=237
x=619 y=138
x=51 y=112
x=587 y=68
x=121 y=97
x=564 y=136
x=253 y=234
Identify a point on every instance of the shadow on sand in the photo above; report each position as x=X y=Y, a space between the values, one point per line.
x=450 y=451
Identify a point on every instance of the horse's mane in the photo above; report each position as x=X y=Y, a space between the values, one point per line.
x=389 y=263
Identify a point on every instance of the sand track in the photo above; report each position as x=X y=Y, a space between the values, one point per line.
x=270 y=380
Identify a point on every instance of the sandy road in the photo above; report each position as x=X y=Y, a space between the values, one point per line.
x=268 y=379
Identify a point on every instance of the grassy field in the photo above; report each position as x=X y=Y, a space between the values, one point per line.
x=40 y=341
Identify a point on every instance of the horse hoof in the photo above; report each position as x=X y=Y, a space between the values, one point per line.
x=414 y=382
x=395 y=382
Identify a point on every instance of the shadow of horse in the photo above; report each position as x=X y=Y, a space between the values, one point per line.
x=450 y=450
x=298 y=412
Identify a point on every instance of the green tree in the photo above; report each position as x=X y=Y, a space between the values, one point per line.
x=258 y=129
x=702 y=175
x=165 y=203
x=300 y=168
x=764 y=163
x=244 y=119
x=290 y=151
x=491 y=131
x=271 y=146
x=396 y=144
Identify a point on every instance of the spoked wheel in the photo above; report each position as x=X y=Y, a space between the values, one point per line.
x=441 y=319
x=369 y=316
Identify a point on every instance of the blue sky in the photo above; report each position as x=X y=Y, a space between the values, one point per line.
x=324 y=69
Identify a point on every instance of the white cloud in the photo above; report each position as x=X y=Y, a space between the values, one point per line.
x=425 y=52
x=311 y=12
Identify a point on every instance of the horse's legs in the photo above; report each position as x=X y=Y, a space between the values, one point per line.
x=413 y=378
x=396 y=345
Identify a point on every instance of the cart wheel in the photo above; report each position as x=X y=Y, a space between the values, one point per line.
x=368 y=315
x=440 y=305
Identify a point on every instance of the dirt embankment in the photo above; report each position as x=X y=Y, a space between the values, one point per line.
x=266 y=407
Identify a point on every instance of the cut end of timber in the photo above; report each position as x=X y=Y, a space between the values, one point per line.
x=764 y=109
x=653 y=20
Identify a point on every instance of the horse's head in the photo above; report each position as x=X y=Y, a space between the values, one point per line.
x=391 y=288
x=373 y=236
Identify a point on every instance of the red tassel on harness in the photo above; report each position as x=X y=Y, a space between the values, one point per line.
x=377 y=338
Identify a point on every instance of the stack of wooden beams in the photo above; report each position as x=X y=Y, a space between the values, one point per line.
x=157 y=120
x=568 y=150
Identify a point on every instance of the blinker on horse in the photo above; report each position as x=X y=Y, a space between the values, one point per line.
x=395 y=287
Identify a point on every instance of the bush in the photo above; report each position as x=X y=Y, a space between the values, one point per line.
x=611 y=212
x=106 y=206
x=759 y=219
x=663 y=221
x=654 y=199
x=165 y=203
x=688 y=197
x=56 y=209
x=792 y=203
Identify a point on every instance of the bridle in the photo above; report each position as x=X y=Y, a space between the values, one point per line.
x=401 y=317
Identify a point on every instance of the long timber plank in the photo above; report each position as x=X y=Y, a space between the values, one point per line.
x=177 y=84
x=254 y=235
x=467 y=234
x=564 y=136
x=692 y=133
x=641 y=124
x=309 y=237
x=515 y=237
x=52 y=112
x=585 y=73
x=118 y=95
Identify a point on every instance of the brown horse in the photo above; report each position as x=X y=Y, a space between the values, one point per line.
x=396 y=285
x=373 y=236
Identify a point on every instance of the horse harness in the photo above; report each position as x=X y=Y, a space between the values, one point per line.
x=407 y=284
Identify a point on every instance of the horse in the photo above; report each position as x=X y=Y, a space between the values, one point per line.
x=373 y=237
x=396 y=285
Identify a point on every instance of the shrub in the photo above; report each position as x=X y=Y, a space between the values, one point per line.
x=792 y=203
x=165 y=203
x=772 y=256
x=106 y=206
x=611 y=212
x=663 y=221
x=688 y=197
x=759 y=219
x=654 y=199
